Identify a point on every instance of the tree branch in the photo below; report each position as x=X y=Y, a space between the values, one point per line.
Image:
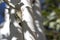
x=10 y=4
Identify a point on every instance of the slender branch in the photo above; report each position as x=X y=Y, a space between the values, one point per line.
x=9 y=3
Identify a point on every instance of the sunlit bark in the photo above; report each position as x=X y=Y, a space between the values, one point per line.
x=28 y=21
x=32 y=27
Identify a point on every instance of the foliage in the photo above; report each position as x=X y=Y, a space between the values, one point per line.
x=50 y=6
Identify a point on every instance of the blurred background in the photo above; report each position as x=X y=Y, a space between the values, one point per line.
x=51 y=15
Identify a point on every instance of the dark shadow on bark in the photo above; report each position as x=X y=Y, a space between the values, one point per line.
x=26 y=28
x=39 y=18
x=15 y=33
x=14 y=30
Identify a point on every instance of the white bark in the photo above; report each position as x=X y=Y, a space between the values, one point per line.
x=38 y=20
x=27 y=21
x=29 y=18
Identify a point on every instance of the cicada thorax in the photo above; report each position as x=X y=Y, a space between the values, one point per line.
x=18 y=15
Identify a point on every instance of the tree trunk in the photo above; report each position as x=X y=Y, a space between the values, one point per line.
x=31 y=14
x=29 y=31
x=38 y=20
x=32 y=27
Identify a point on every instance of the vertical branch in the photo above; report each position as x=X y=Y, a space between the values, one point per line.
x=28 y=25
